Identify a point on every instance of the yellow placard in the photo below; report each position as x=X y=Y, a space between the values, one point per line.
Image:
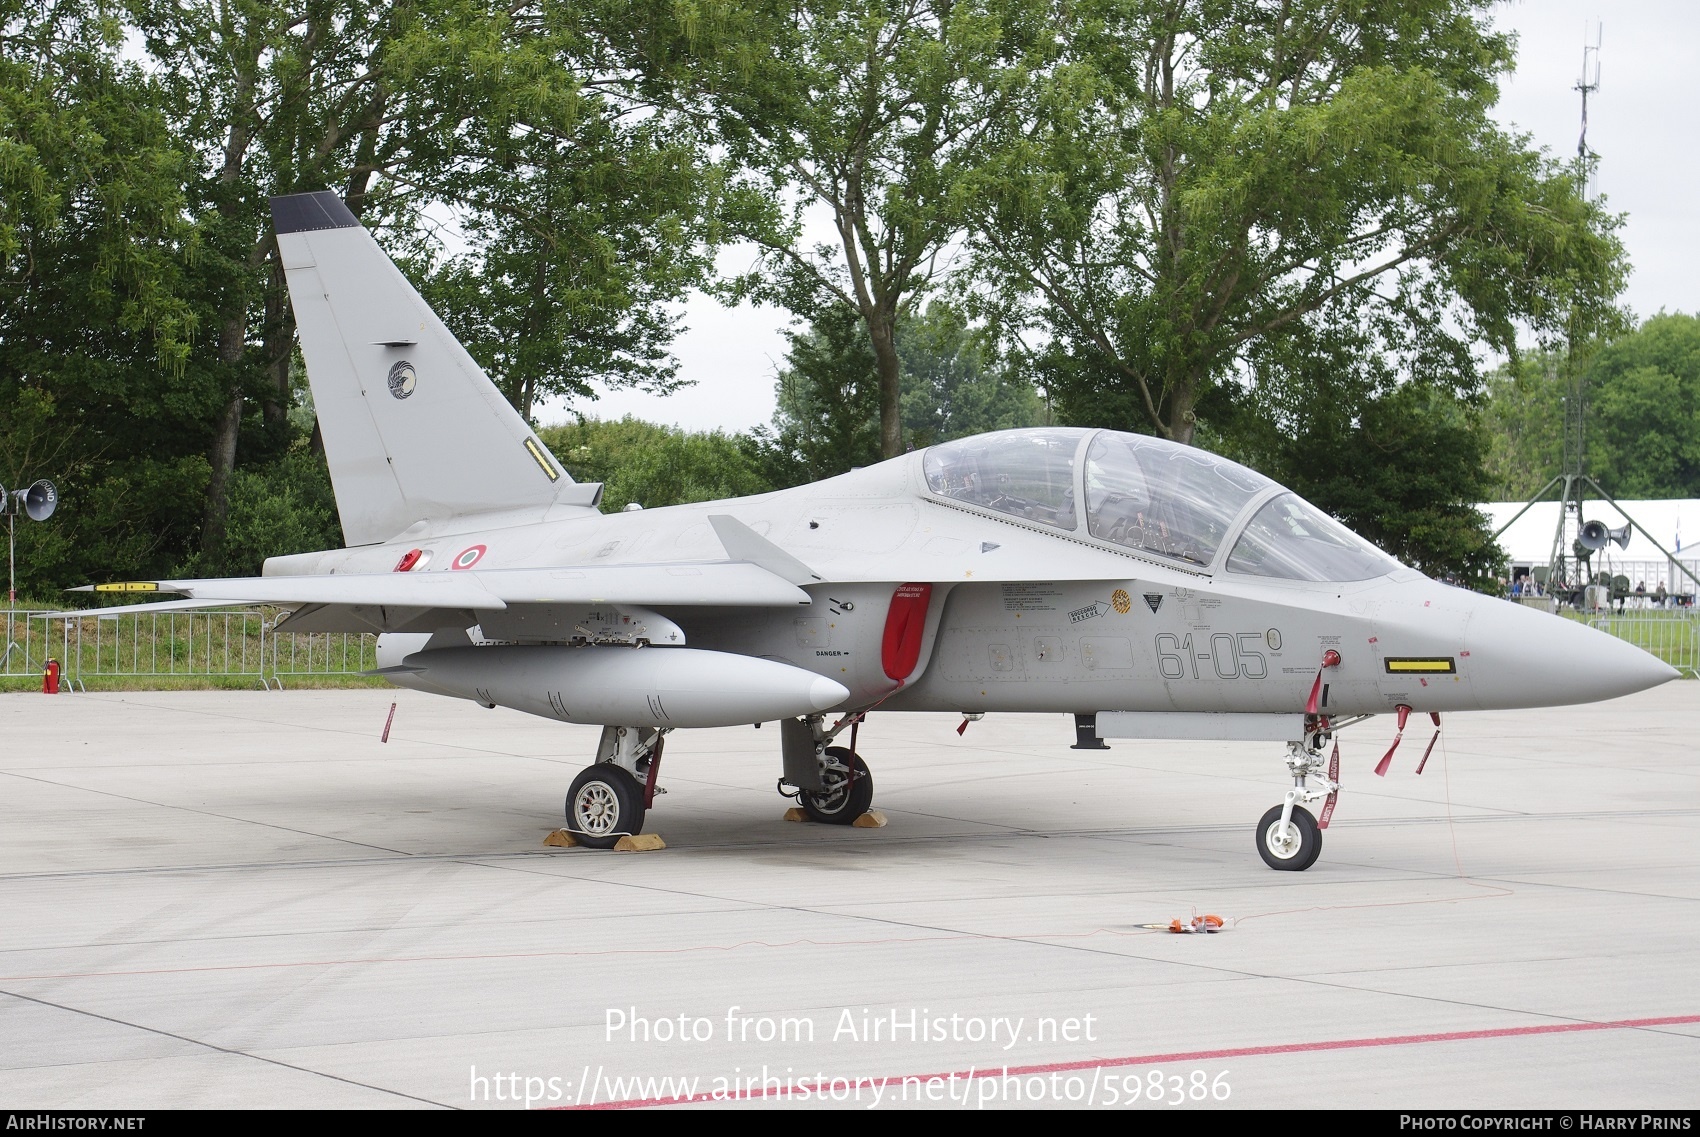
x=542 y=457
x=128 y=586
x=1443 y=665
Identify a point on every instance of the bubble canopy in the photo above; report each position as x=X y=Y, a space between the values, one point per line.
x=1161 y=499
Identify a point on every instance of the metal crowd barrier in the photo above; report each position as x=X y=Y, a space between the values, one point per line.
x=1672 y=634
x=228 y=642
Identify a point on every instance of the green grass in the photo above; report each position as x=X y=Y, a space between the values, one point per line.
x=204 y=650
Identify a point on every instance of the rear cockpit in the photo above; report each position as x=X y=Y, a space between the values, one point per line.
x=1176 y=504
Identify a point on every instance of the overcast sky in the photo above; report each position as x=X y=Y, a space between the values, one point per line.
x=1642 y=123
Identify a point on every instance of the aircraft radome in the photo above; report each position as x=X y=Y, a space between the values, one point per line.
x=1150 y=590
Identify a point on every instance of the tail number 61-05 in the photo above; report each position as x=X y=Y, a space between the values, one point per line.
x=1232 y=655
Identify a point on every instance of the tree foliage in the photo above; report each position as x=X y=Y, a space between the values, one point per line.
x=1198 y=175
x=828 y=417
x=873 y=113
x=1642 y=389
x=640 y=462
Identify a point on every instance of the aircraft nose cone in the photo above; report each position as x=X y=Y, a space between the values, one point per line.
x=824 y=693
x=1522 y=657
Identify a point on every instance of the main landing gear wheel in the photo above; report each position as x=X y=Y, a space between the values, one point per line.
x=604 y=804
x=848 y=788
x=1294 y=851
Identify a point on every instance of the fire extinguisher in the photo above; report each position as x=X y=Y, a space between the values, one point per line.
x=50 y=678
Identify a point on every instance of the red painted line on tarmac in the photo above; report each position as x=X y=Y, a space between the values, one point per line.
x=1172 y=1056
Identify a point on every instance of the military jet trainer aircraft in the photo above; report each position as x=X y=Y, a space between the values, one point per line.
x=1149 y=589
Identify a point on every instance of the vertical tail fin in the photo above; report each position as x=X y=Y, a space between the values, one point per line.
x=413 y=428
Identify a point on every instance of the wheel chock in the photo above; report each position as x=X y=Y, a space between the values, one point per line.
x=639 y=843
x=561 y=839
x=873 y=819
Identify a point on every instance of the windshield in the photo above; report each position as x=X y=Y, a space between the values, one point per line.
x=1292 y=539
x=1025 y=473
x=1163 y=498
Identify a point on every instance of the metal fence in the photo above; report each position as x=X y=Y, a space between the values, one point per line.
x=222 y=642
x=244 y=643
x=1671 y=634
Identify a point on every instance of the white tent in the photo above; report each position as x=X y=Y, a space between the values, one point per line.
x=1675 y=524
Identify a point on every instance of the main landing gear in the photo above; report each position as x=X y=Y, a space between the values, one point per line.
x=1289 y=837
x=831 y=783
x=608 y=800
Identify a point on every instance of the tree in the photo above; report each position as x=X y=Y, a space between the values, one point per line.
x=956 y=383
x=1524 y=414
x=654 y=465
x=1198 y=175
x=874 y=112
x=515 y=110
x=828 y=420
x=1644 y=410
x=828 y=415
x=587 y=227
x=1402 y=461
x=1642 y=419
x=99 y=386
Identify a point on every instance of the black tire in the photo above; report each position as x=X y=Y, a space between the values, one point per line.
x=849 y=789
x=604 y=804
x=1291 y=857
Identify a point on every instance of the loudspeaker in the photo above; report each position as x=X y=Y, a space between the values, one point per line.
x=40 y=500
x=1595 y=535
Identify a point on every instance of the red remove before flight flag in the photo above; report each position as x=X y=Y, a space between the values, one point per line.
x=1330 y=658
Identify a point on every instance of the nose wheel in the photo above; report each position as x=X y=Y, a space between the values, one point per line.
x=1290 y=846
x=1289 y=837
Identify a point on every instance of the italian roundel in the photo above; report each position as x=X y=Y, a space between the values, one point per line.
x=469 y=557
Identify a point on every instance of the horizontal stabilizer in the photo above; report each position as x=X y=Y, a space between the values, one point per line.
x=428 y=590
x=402 y=601
x=158 y=606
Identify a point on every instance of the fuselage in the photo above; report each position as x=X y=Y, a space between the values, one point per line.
x=1034 y=604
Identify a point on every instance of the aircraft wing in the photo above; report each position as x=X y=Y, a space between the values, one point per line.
x=395 y=602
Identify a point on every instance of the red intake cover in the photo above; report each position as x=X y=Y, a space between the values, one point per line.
x=904 y=624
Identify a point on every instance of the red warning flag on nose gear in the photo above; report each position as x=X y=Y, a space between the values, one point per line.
x=1333 y=794
x=1387 y=759
x=1435 y=715
x=1330 y=658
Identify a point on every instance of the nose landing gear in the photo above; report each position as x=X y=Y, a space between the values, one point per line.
x=1289 y=838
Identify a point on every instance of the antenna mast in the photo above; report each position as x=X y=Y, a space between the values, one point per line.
x=1574 y=541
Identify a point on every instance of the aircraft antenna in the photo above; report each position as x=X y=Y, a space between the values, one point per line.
x=1575 y=540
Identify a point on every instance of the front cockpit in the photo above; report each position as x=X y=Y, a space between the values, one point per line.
x=1175 y=504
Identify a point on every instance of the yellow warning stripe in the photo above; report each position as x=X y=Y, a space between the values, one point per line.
x=542 y=457
x=128 y=586
x=1442 y=664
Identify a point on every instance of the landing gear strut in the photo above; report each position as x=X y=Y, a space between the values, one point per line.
x=849 y=788
x=1288 y=837
x=832 y=783
x=608 y=800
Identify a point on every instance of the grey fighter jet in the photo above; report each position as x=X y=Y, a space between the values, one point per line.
x=1148 y=589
